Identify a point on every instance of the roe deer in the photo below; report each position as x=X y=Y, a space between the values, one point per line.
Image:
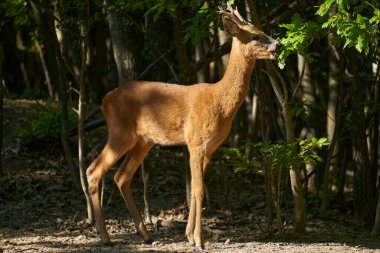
x=140 y=114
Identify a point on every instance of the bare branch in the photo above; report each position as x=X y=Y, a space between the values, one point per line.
x=210 y=57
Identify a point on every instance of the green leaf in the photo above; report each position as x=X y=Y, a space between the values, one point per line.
x=376 y=17
x=298 y=35
x=325 y=7
x=230 y=2
x=360 y=43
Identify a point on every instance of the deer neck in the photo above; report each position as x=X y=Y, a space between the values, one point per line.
x=235 y=84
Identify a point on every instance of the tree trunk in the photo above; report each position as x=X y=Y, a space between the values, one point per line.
x=46 y=49
x=265 y=127
x=364 y=183
x=306 y=94
x=295 y=178
x=59 y=48
x=44 y=67
x=123 y=55
x=84 y=31
x=334 y=111
x=376 y=227
x=1 y=104
x=374 y=135
x=98 y=68
x=374 y=152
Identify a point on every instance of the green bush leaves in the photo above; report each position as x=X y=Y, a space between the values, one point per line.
x=352 y=24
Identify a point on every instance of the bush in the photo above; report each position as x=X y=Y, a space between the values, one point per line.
x=45 y=127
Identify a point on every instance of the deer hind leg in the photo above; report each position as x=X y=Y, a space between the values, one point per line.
x=95 y=172
x=123 y=179
x=194 y=225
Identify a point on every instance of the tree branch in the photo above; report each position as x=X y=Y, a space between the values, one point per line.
x=210 y=57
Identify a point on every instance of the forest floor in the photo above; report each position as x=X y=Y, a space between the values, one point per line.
x=41 y=211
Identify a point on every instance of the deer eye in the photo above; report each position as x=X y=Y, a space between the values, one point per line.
x=255 y=37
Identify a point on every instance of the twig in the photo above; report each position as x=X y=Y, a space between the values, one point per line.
x=154 y=63
x=31 y=249
x=65 y=26
x=210 y=57
x=153 y=45
x=282 y=81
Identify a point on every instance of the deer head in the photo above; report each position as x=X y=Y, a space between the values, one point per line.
x=255 y=44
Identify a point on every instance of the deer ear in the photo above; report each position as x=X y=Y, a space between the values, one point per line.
x=230 y=26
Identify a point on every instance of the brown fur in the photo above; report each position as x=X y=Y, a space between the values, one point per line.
x=141 y=114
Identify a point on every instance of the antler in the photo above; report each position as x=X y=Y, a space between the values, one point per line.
x=233 y=14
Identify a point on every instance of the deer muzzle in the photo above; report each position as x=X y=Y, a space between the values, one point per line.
x=275 y=49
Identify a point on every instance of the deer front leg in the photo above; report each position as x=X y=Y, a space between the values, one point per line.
x=194 y=226
x=191 y=220
x=123 y=179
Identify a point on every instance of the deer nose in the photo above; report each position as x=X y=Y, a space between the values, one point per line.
x=278 y=46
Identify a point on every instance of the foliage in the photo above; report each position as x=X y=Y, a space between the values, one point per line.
x=308 y=149
x=277 y=155
x=4 y=180
x=198 y=27
x=240 y=161
x=15 y=10
x=276 y=159
x=46 y=125
x=352 y=24
x=303 y=109
x=298 y=35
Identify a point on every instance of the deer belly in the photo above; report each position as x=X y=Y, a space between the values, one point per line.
x=162 y=134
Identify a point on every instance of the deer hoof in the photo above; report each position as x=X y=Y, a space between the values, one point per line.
x=149 y=242
x=191 y=240
x=199 y=248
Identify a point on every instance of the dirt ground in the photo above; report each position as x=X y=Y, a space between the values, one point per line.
x=40 y=211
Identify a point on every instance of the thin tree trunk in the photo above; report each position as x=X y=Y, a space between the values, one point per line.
x=203 y=74
x=46 y=50
x=295 y=178
x=374 y=153
x=59 y=47
x=364 y=183
x=308 y=131
x=84 y=31
x=44 y=67
x=265 y=136
x=124 y=57
x=374 y=136
x=277 y=191
x=376 y=227
x=1 y=105
x=282 y=96
x=98 y=67
x=334 y=112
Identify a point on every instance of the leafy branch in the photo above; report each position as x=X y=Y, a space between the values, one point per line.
x=275 y=155
x=352 y=25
